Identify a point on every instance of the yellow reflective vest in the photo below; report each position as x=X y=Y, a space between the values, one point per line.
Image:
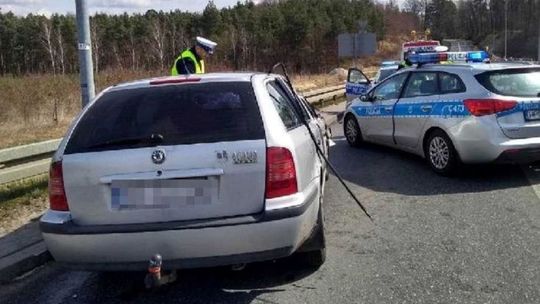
x=188 y=54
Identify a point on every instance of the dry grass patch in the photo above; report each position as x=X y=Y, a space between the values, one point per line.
x=41 y=107
x=22 y=202
x=312 y=82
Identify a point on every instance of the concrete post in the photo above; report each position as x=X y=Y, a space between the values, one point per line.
x=538 y=58
x=505 y=28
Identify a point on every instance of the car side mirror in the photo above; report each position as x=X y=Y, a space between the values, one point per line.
x=365 y=98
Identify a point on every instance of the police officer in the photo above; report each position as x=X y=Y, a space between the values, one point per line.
x=404 y=64
x=191 y=61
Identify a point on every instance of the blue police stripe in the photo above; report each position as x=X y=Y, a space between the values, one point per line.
x=356 y=89
x=371 y=111
x=440 y=108
x=522 y=107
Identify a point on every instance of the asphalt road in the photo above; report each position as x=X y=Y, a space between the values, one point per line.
x=474 y=238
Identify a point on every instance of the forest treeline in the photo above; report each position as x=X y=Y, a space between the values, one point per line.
x=301 y=33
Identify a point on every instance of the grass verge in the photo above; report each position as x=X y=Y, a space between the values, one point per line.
x=41 y=107
x=21 y=202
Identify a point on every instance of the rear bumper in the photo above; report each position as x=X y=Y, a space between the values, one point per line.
x=485 y=142
x=270 y=235
x=520 y=156
x=504 y=151
x=182 y=263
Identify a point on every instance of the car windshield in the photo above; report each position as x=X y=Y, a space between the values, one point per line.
x=385 y=73
x=515 y=82
x=169 y=115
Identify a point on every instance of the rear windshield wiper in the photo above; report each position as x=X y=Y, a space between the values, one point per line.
x=153 y=139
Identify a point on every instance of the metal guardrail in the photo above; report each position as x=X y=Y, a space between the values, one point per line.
x=26 y=161
x=319 y=96
x=34 y=159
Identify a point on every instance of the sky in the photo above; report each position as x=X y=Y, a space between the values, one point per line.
x=47 y=7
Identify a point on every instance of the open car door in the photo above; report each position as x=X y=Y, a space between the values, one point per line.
x=357 y=84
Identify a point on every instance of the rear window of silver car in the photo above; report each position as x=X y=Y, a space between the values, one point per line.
x=169 y=115
x=512 y=82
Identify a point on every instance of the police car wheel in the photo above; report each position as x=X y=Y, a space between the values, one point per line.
x=440 y=153
x=352 y=131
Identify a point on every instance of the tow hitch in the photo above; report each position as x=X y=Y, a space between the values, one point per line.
x=155 y=276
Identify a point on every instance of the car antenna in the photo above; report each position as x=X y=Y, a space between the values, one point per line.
x=319 y=151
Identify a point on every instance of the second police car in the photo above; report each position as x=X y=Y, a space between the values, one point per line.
x=450 y=114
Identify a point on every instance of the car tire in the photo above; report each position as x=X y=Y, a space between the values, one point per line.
x=313 y=251
x=315 y=259
x=441 y=154
x=352 y=131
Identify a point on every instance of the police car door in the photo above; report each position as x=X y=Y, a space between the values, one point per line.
x=377 y=116
x=415 y=107
x=357 y=84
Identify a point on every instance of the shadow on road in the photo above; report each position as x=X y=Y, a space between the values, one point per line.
x=212 y=285
x=384 y=169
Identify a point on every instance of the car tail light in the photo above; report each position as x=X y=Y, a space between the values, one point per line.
x=280 y=173
x=57 y=193
x=481 y=107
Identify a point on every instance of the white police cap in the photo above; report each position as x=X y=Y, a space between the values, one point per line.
x=206 y=44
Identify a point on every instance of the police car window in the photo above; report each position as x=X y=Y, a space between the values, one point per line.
x=450 y=83
x=283 y=106
x=422 y=84
x=355 y=76
x=522 y=82
x=391 y=88
x=383 y=74
x=378 y=77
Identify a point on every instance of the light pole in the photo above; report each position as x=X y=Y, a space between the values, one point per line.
x=85 y=52
x=505 y=28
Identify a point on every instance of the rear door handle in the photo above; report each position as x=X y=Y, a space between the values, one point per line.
x=388 y=109
x=426 y=108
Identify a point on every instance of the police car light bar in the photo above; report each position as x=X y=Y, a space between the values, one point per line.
x=423 y=58
x=389 y=62
x=479 y=56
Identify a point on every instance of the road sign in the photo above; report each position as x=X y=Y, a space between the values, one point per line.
x=352 y=45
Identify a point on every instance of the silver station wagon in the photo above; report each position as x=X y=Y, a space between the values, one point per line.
x=205 y=170
x=453 y=113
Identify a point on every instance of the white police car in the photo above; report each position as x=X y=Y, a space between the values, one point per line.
x=453 y=113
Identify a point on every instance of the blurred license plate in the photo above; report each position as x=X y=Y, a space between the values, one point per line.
x=532 y=115
x=162 y=194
